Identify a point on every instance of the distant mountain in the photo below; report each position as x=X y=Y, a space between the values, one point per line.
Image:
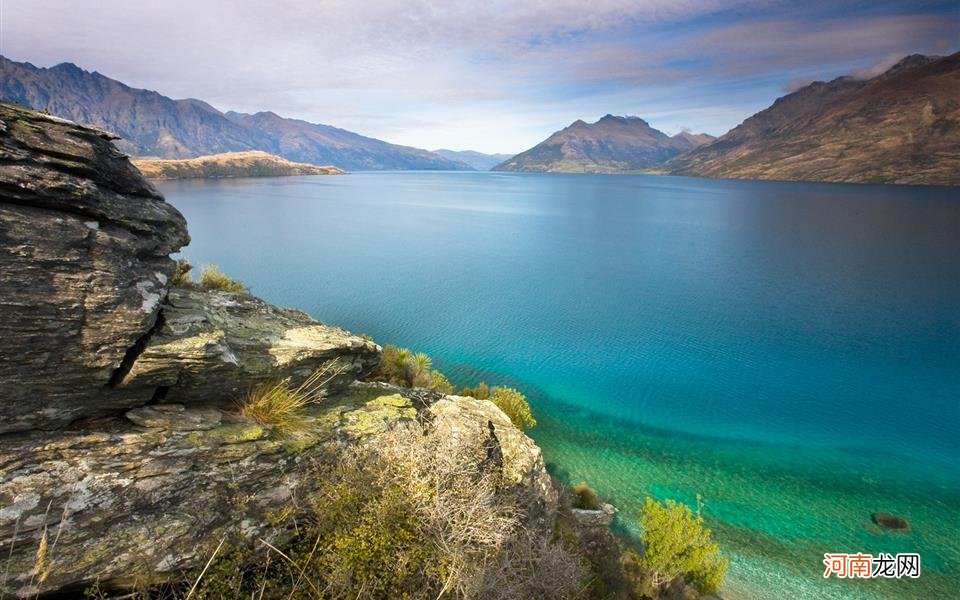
x=253 y=163
x=151 y=124
x=477 y=160
x=322 y=144
x=612 y=144
x=902 y=126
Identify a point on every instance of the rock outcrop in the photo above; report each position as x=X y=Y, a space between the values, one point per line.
x=140 y=498
x=210 y=345
x=123 y=459
x=84 y=265
x=86 y=325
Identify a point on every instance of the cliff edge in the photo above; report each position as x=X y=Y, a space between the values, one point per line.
x=123 y=456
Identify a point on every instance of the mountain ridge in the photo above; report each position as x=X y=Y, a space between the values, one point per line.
x=900 y=126
x=151 y=124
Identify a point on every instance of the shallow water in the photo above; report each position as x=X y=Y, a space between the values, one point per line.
x=789 y=351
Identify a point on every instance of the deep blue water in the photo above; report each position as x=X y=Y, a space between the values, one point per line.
x=791 y=351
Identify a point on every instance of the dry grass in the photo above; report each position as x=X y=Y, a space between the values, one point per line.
x=277 y=404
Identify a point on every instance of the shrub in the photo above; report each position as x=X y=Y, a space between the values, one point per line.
x=514 y=405
x=212 y=279
x=279 y=405
x=402 y=367
x=440 y=383
x=676 y=544
x=480 y=392
x=181 y=272
x=585 y=497
x=410 y=517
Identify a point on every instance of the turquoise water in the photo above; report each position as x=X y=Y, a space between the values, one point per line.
x=789 y=351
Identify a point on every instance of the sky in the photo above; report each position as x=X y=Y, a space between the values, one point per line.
x=492 y=76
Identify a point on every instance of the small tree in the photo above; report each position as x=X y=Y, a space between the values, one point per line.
x=514 y=405
x=676 y=544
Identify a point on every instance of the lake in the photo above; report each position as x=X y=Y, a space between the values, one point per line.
x=790 y=351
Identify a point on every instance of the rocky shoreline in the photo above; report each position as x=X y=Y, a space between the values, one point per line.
x=121 y=451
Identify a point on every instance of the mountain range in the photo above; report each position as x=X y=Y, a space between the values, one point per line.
x=151 y=124
x=612 y=144
x=477 y=160
x=902 y=126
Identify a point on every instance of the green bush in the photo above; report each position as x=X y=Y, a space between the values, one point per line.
x=676 y=544
x=585 y=497
x=514 y=405
x=480 y=392
x=402 y=367
x=212 y=279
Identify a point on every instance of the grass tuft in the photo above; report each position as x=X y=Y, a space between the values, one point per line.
x=277 y=404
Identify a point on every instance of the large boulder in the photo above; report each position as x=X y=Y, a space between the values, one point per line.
x=84 y=265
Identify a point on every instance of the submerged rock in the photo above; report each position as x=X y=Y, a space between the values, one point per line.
x=594 y=518
x=889 y=521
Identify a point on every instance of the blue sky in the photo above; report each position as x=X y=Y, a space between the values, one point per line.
x=495 y=76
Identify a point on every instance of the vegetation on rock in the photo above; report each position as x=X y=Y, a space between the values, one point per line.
x=411 y=518
x=511 y=401
x=402 y=367
x=181 y=272
x=585 y=497
x=278 y=404
x=514 y=405
x=211 y=278
x=677 y=545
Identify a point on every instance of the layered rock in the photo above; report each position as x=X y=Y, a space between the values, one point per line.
x=84 y=282
x=145 y=498
x=210 y=347
x=84 y=266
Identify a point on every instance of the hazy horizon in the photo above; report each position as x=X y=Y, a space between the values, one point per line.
x=495 y=78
